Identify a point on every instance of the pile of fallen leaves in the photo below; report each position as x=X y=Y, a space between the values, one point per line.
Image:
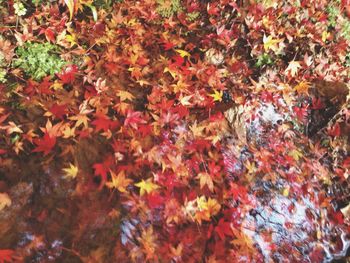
x=174 y=131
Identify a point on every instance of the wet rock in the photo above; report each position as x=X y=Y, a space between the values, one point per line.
x=11 y=216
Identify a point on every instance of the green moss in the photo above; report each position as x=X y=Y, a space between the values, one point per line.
x=264 y=59
x=333 y=12
x=193 y=16
x=345 y=30
x=168 y=8
x=39 y=60
x=105 y=4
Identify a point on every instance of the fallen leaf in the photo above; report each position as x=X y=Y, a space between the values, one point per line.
x=119 y=181
x=4 y=200
x=293 y=68
x=146 y=186
x=71 y=172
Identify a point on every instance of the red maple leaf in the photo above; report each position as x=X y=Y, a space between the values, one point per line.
x=68 y=74
x=223 y=229
x=155 y=200
x=102 y=169
x=103 y=123
x=45 y=144
x=168 y=45
x=145 y=129
x=44 y=86
x=133 y=118
x=58 y=110
x=301 y=113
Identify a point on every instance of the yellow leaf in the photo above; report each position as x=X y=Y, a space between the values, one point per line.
x=325 y=36
x=205 y=179
x=56 y=86
x=172 y=73
x=295 y=154
x=143 y=82
x=202 y=202
x=270 y=43
x=183 y=53
x=68 y=132
x=285 y=192
x=303 y=87
x=293 y=67
x=125 y=95
x=4 y=200
x=119 y=181
x=71 y=171
x=217 y=95
x=146 y=186
x=81 y=119
x=71 y=39
x=213 y=206
x=250 y=167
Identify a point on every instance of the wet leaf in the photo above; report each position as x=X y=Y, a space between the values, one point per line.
x=71 y=172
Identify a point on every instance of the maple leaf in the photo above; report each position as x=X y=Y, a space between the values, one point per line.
x=223 y=229
x=242 y=241
x=301 y=113
x=205 y=179
x=103 y=168
x=71 y=171
x=57 y=110
x=197 y=130
x=125 y=95
x=68 y=74
x=6 y=255
x=303 y=87
x=45 y=144
x=295 y=154
x=217 y=95
x=293 y=68
x=185 y=100
x=146 y=186
x=4 y=200
x=119 y=181
x=133 y=118
x=102 y=123
x=12 y=128
x=52 y=130
x=168 y=45
x=80 y=119
x=183 y=53
x=148 y=243
x=68 y=132
x=207 y=208
x=270 y=43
